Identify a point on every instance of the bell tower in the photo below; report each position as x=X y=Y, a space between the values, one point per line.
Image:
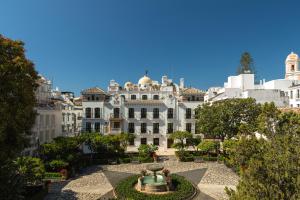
x=292 y=71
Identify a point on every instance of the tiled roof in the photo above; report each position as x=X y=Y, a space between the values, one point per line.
x=93 y=90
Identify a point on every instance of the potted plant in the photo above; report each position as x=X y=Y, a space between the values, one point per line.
x=166 y=172
x=143 y=172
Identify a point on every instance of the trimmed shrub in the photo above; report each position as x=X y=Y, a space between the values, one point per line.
x=183 y=190
x=146 y=159
x=125 y=160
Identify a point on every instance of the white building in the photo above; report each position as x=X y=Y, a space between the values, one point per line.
x=51 y=110
x=294 y=95
x=149 y=109
x=243 y=86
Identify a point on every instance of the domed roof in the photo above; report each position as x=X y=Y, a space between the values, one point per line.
x=292 y=56
x=145 y=80
x=128 y=84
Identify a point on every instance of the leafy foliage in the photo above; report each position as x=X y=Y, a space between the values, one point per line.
x=225 y=118
x=246 y=64
x=179 y=137
x=209 y=146
x=271 y=166
x=31 y=169
x=17 y=100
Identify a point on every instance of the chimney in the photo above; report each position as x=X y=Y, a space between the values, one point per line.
x=181 y=84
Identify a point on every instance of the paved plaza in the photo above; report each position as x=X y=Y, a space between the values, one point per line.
x=97 y=182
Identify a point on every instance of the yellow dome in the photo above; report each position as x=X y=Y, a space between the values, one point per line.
x=145 y=80
x=292 y=56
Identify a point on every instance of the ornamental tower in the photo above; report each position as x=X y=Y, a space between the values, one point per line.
x=292 y=68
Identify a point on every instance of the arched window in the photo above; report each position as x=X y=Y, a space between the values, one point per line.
x=97 y=112
x=292 y=67
x=88 y=112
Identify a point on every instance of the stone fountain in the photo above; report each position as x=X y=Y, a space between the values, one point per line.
x=153 y=183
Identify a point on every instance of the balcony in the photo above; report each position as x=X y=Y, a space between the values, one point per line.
x=115 y=130
x=116 y=117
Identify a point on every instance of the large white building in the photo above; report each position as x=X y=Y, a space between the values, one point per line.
x=243 y=86
x=148 y=109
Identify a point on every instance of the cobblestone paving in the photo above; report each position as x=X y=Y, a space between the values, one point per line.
x=96 y=182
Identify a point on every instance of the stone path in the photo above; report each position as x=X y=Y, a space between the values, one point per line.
x=97 y=182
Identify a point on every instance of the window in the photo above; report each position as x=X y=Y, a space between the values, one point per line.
x=131 y=141
x=155 y=113
x=117 y=125
x=123 y=96
x=292 y=67
x=143 y=112
x=116 y=112
x=156 y=97
x=188 y=127
x=298 y=105
x=170 y=113
x=298 y=94
x=170 y=127
x=131 y=127
x=143 y=140
x=88 y=112
x=131 y=113
x=97 y=127
x=63 y=117
x=155 y=127
x=133 y=97
x=97 y=112
x=143 y=127
x=156 y=141
x=144 y=97
x=291 y=94
x=88 y=126
x=93 y=97
x=188 y=113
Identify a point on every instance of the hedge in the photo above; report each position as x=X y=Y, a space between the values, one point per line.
x=183 y=190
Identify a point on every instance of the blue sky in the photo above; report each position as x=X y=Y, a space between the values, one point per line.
x=80 y=44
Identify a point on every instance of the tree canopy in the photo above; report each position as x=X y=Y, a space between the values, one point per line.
x=246 y=64
x=17 y=100
x=225 y=118
x=17 y=116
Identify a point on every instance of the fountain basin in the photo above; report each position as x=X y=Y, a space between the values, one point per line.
x=154 y=185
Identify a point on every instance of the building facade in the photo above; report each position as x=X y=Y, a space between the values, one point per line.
x=149 y=109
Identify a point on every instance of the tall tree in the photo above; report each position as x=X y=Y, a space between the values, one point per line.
x=246 y=64
x=17 y=100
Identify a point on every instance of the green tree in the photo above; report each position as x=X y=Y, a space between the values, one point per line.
x=17 y=116
x=31 y=169
x=272 y=171
x=225 y=118
x=124 y=139
x=179 y=137
x=246 y=64
x=17 y=100
x=275 y=175
x=209 y=146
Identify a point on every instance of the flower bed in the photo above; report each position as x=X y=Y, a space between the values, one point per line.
x=183 y=190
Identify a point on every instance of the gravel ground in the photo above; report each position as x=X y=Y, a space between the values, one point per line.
x=96 y=182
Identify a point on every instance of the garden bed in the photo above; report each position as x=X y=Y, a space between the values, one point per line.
x=183 y=190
